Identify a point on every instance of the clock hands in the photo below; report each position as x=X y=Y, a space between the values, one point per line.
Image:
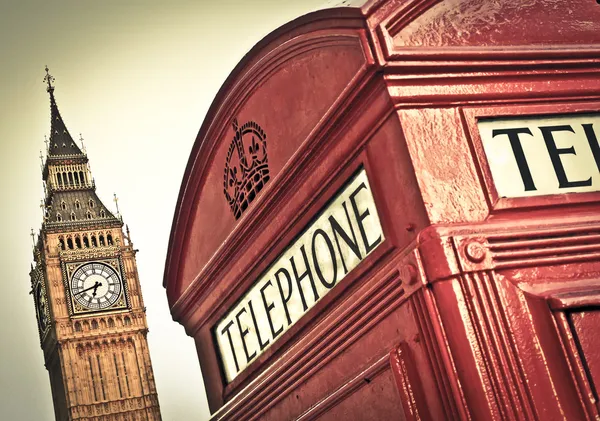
x=94 y=287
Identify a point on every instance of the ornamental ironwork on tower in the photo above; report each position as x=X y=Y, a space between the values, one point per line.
x=87 y=295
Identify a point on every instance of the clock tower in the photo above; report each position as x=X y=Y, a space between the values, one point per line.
x=87 y=296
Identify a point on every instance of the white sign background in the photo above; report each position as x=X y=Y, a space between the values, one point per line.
x=354 y=209
x=578 y=166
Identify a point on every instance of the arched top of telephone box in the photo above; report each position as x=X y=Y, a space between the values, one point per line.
x=274 y=99
x=271 y=113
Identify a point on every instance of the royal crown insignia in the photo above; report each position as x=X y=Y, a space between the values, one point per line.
x=246 y=167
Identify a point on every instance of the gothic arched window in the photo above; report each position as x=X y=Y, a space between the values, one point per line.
x=73 y=217
x=109 y=239
x=127 y=321
x=86 y=242
x=94 y=324
x=77 y=327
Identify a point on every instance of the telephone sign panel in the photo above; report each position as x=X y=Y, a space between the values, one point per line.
x=537 y=156
x=344 y=233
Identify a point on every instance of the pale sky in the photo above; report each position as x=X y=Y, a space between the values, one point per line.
x=135 y=78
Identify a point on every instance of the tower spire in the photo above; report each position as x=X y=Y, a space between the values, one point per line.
x=69 y=186
x=61 y=142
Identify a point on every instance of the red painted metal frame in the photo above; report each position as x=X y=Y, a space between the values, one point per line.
x=474 y=307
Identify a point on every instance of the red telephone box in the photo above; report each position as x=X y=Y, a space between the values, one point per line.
x=392 y=212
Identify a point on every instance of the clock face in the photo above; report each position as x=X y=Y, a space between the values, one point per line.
x=95 y=286
x=40 y=303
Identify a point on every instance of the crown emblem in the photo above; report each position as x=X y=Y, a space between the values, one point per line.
x=246 y=167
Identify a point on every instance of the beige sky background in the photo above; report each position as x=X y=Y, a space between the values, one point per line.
x=135 y=78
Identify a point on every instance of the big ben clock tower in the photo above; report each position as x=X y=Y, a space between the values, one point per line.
x=86 y=291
